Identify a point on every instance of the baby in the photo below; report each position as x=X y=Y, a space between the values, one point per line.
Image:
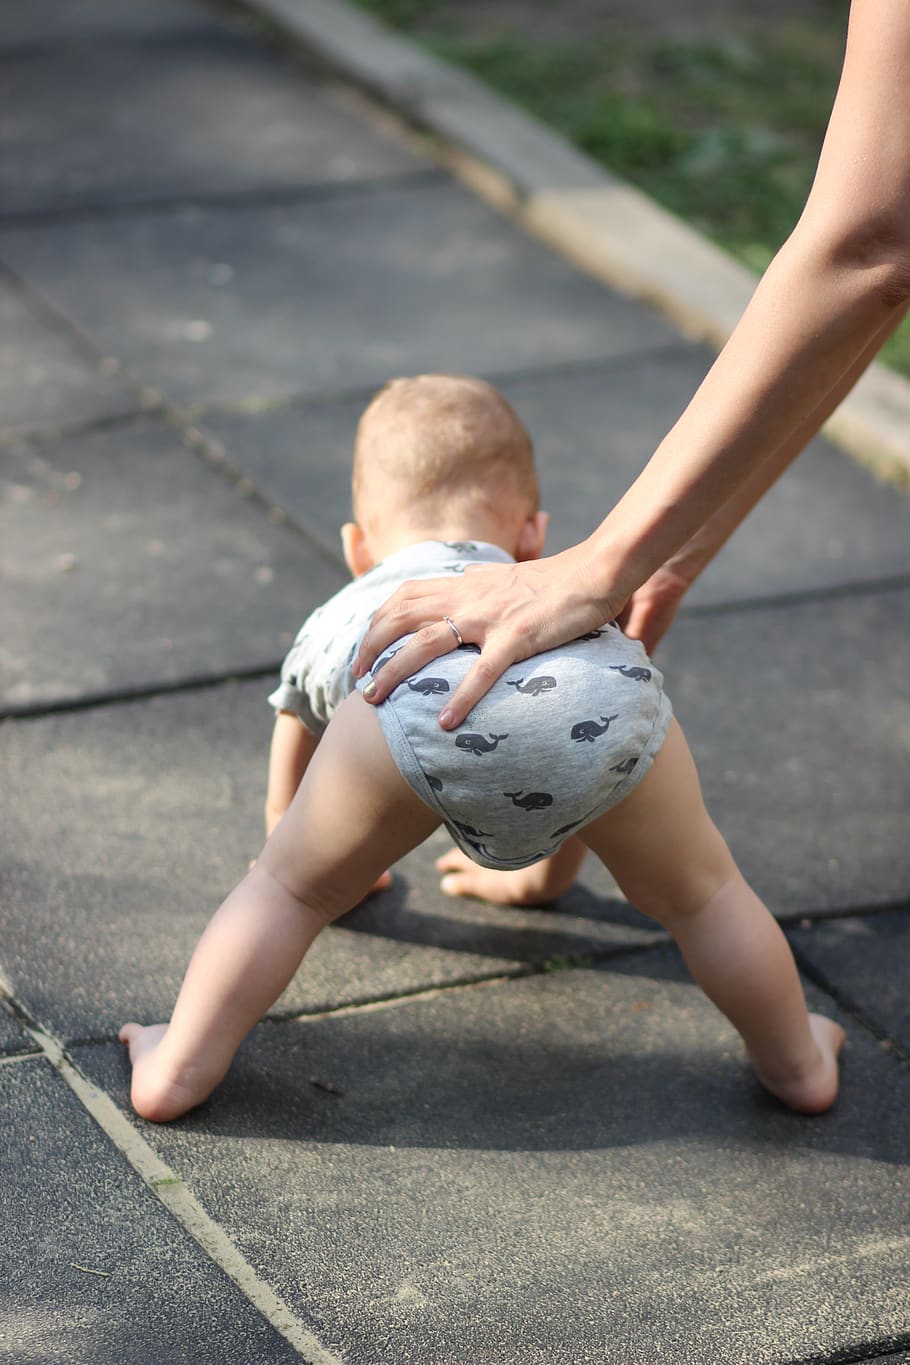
x=573 y=749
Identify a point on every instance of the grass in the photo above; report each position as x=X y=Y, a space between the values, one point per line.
x=723 y=132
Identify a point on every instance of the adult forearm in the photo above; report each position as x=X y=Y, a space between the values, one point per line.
x=695 y=554
x=828 y=300
x=812 y=328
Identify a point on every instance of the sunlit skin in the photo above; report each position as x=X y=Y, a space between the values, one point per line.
x=340 y=812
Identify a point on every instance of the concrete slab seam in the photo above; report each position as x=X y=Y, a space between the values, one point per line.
x=38 y=436
x=573 y=962
x=60 y=322
x=154 y=404
x=822 y=981
x=610 y=229
x=800 y=596
x=315 y=401
x=206 y=447
x=275 y=196
x=182 y=1205
x=124 y=696
x=389 y=1002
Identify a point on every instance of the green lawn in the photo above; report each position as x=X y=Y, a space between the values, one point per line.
x=725 y=133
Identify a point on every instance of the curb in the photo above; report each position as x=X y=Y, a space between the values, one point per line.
x=607 y=227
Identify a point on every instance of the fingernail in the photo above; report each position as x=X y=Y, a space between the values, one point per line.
x=370 y=690
x=448 y=886
x=446 y=718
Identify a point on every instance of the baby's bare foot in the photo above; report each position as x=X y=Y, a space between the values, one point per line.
x=466 y=878
x=816 y=1089
x=157 y=1093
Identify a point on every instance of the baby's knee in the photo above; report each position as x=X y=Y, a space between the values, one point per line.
x=679 y=904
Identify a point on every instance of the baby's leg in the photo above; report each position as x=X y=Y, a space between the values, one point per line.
x=352 y=815
x=672 y=864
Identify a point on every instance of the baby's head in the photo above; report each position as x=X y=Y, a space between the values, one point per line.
x=442 y=457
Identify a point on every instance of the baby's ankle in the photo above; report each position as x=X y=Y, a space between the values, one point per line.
x=810 y=1087
x=160 y=1093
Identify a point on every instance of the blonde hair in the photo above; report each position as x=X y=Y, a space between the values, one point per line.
x=435 y=441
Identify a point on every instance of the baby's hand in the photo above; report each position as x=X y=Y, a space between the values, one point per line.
x=464 y=878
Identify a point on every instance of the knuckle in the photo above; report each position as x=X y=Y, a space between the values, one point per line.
x=427 y=635
x=486 y=671
x=401 y=611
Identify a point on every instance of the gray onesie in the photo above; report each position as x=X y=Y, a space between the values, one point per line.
x=558 y=740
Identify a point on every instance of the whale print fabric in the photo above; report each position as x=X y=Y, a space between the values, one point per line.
x=316 y=675
x=558 y=740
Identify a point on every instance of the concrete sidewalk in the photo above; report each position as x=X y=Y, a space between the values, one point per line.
x=465 y=1134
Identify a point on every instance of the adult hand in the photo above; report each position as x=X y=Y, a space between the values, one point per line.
x=649 y=612
x=510 y=610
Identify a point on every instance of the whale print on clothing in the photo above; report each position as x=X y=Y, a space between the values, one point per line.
x=534 y=686
x=428 y=686
x=586 y=731
x=479 y=848
x=632 y=671
x=386 y=659
x=469 y=648
x=434 y=782
x=478 y=744
x=470 y=832
x=567 y=829
x=460 y=547
x=625 y=767
x=530 y=800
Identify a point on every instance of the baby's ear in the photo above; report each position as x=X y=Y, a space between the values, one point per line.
x=354 y=546
x=532 y=536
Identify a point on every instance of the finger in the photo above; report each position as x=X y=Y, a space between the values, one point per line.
x=128 y=1032
x=381 y=883
x=411 y=607
x=476 y=683
x=428 y=644
x=648 y=624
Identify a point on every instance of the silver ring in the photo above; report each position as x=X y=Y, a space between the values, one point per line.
x=453 y=628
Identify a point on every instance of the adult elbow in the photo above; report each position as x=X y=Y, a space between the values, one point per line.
x=879 y=254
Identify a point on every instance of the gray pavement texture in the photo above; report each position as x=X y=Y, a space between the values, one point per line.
x=465 y=1133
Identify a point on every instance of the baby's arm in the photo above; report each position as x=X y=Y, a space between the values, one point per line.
x=536 y=885
x=292 y=748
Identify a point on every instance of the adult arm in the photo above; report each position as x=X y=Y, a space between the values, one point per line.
x=651 y=609
x=831 y=294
